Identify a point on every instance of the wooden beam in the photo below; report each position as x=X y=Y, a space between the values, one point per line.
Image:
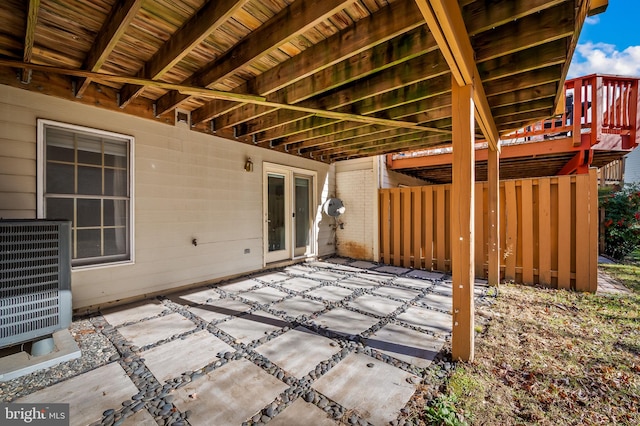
x=535 y=29
x=29 y=38
x=331 y=137
x=480 y=17
x=529 y=79
x=205 y=21
x=290 y=22
x=397 y=143
x=385 y=81
x=445 y=21
x=580 y=13
x=494 y=216
x=462 y=223
x=407 y=47
x=428 y=90
x=579 y=164
x=357 y=39
x=113 y=29
x=217 y=94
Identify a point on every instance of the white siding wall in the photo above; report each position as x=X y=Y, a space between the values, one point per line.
x=356 y=186
x=357 y=183
x=187 y=185
x=632 y=167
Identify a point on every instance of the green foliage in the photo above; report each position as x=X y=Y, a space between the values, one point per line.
x=442 y=412
x=621 y=220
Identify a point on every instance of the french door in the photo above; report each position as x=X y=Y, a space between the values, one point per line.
x=288 y=196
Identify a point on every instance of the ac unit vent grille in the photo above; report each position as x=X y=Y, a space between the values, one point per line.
x=35 y=282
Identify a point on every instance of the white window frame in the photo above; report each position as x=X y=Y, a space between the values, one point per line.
x=41 y=184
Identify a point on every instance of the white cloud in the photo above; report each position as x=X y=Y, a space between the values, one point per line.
x=592 y=20
x=603 y=58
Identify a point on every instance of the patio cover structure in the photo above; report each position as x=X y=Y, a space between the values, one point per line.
x=325 y=79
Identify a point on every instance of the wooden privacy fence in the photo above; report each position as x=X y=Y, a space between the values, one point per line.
x=548 y=230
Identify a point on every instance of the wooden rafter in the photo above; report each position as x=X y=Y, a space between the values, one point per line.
x=403 y=44
x=408 y=47
x=531 y=149
x=278 y=30
x=113 y=29
x=367 y=33
x=29 y=38
x=582 y=10
x=445 y=21
x=208 y=19
x=217 y=94
x=406 y=73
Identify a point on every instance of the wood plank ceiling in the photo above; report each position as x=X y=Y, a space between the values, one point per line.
x=328 y=79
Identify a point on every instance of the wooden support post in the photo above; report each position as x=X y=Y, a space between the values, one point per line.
x=494 y=216
x=462 y=219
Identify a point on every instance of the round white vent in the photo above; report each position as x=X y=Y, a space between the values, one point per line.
x=334 y=207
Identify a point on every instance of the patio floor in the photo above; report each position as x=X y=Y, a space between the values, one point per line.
x=315 y=343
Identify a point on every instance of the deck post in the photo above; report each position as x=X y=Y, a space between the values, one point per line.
x=494 y=216
x=462 y=220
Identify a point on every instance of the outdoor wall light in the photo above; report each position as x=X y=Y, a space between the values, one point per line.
x=248 y=165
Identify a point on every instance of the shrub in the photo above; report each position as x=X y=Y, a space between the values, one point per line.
x=621 y=220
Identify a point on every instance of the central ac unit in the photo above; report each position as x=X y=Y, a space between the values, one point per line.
x=35 y=279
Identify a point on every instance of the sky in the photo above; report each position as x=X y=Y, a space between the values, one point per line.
x=610 y=42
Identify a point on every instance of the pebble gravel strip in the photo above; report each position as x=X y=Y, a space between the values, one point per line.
x=101 y=343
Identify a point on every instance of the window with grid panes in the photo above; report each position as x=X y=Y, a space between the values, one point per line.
x=85 y=178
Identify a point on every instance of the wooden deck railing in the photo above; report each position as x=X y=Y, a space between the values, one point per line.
x=548 y=233
x=595 y=105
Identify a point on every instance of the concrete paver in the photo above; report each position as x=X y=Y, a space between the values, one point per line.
x=298 y=351
x=413 y=282
x=395 y=270
x=240 y=286
x=150 y=331
x=297 y=270
x=250 y=327
x=228 y=395
x=273 y=277
x=330 y=293
x=141 y=418
x=302 y=413
x=220 y=309
x=356 y=282
x=198 y=296
x=191 y=353
x=406 y=344
x=378 y=277
x=434 y=321
x=363 y=264
x=88 y=394
x=437 y=301
x=325 y=276
x=300 y=284
x=298 y=305
x=426 y=275
x=264 y=295
x=374 y=390
x=374 y=304
x=397 y=293
x=134 y=312
x=344 y=321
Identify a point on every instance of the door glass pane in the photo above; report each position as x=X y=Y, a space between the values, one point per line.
x=276 y=213
x=302 y=212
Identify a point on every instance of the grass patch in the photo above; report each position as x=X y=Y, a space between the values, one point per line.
x=627 y=272
x=553 y=357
